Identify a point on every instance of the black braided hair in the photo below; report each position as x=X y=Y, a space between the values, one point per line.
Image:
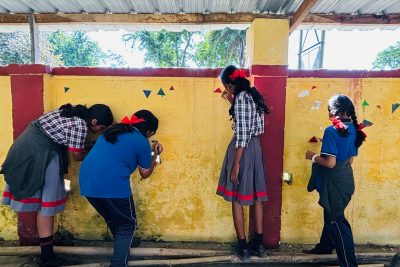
x=340 y=106
x=243 y=84
x=150 y=123
x=102 y=113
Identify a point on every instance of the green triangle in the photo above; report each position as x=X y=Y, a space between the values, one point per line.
x=365 y=103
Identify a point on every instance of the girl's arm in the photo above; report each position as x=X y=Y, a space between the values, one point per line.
x=79 y=156
x=145 y=173
x=236 y=165
x=325 y=161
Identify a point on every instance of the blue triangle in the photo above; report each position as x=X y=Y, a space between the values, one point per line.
x=161 y=92
x=147 y=93
x=395 y=106
x=367 y=123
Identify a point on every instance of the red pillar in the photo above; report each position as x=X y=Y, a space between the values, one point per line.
x=271 y=83
x=27 y=105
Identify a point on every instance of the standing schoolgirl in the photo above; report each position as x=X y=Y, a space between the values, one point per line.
x=332 y=177
x=37 y=161
x=105 y=172
x=242 y=179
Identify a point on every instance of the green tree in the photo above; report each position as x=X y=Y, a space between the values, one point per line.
x=220 y=48
x=388 y=58
x=164 y=49
x=77 y=49
x=15 y=49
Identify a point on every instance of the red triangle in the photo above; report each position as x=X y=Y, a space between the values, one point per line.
x=218 y=90
x=313 y=140
x=313 y=87
x=171 y=88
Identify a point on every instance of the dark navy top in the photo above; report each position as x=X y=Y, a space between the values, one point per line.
x=105 y=171
x=340 y=147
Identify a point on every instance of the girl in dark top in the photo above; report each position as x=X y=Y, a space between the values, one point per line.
x=242 y=179
x=37 y=161
x=332 y=177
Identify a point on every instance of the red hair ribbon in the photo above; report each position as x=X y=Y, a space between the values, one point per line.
x=132 y=120
x=242 y=73
x=360 y=127
x=337 y=123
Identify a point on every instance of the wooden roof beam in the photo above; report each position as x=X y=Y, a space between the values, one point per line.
x=214 y=18
x=343 y=19
x=301 y=14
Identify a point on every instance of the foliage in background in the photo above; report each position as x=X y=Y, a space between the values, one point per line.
x=15 y=49
x=164 y=49
x=388 y=58
x=221 y=48
x=202 y=49
x=56 y=49
x=77 y=49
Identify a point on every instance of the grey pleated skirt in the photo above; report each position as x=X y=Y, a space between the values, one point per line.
x=48 y=200
x=251 y=177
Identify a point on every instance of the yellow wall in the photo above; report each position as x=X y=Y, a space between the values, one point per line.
x=267 y=42
x=178 y=202
x=8 y=221
x=374 y=211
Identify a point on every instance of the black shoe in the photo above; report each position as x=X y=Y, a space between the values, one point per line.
x=243 y=253
x=257 y=249
x=317 y=251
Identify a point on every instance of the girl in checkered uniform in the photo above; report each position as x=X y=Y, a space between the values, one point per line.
x=37 y=161
x=242 y=179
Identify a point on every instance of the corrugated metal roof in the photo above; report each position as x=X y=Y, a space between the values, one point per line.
x=198 y=6
x=280 y=7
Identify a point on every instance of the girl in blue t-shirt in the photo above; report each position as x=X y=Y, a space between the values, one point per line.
x=332 y=177
x=105 y=172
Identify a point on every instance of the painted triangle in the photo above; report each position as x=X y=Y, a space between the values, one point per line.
x=147 y=93
x=395 y=106
x=171 y=88
x=365 y=103
x=161 y=92
x=218 y=90
x=313 y=140
x=66 y=89
x=367 y=123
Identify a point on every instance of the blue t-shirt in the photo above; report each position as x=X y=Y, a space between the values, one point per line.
x=340 y=147
x=105 y=171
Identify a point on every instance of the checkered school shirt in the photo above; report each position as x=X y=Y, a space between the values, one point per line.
x=248 y=121
x=70 y=132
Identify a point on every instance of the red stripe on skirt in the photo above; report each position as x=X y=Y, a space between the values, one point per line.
x=73 y=149
x=241 y=197
x=36 y=200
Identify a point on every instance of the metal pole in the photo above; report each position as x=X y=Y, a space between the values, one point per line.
x=34 y=35
x=321 y=51
x=299 y=55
